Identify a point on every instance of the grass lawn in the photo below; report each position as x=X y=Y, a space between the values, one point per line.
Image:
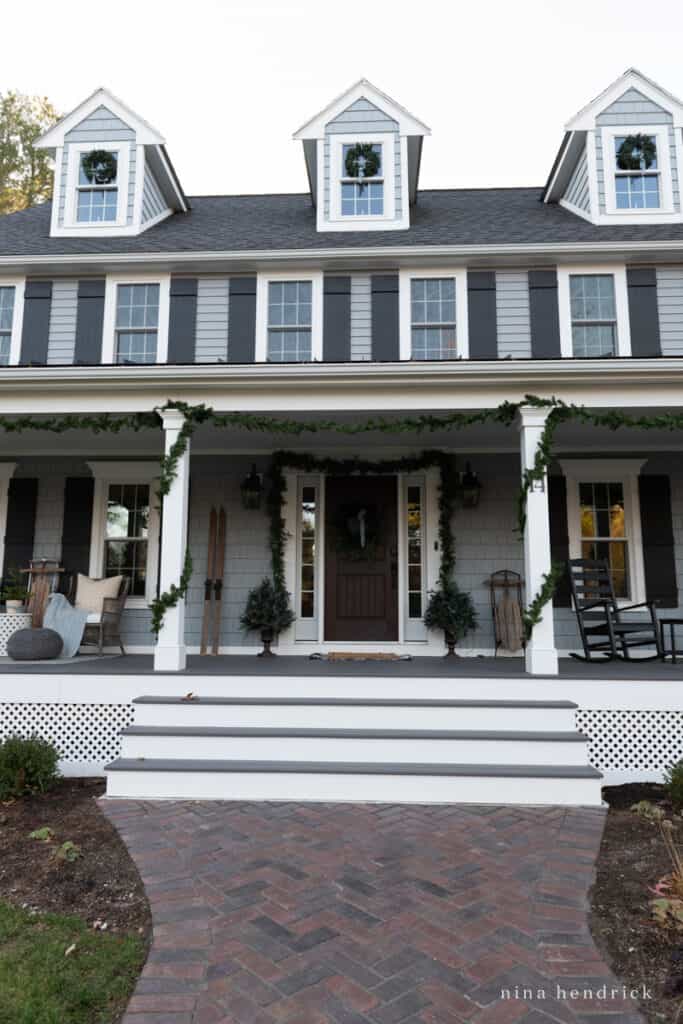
x=40 y=985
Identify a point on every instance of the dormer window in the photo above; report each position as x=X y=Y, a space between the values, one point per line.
x=362 y=180
x=98 y=192
x=636 y=181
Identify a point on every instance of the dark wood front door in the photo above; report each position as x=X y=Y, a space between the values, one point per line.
x=361 y=559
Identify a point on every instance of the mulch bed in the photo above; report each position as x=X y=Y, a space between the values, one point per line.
x=102 y=885
x=632 y=859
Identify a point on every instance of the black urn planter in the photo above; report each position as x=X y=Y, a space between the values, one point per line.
x=451 y=641
x=267 y=637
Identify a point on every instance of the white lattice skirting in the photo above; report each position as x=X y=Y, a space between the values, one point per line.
x=640 y=744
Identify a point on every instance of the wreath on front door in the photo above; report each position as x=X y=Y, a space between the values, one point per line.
x=99 y=167
x=635 y=151
x=356 y=532
x=362 y=161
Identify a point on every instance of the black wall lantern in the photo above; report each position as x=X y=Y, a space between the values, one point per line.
x=251 y=488
x=470 y=487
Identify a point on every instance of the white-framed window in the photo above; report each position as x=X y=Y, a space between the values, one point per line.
x=433 y=314
x=593 y=311
x=362 y=197
x=642 y=190
x=125 y=526
x=603 y=516
x=289 y=317
x=96 y=192
x=136 y=311
x=11 y=319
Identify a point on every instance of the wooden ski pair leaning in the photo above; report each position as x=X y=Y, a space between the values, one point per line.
x=213 y=587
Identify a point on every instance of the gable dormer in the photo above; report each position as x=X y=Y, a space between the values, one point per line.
x=620 y=159
x=112 y=173
x=362 y=156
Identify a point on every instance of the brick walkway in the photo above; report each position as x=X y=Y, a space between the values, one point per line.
x=366 y=914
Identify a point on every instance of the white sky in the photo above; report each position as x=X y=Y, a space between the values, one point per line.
x=227 y=83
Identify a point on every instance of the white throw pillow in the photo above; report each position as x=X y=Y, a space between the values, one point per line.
x=91 y=593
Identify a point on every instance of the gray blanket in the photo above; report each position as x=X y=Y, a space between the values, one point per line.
x=66 y=620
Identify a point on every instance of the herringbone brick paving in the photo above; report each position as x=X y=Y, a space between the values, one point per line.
x=367 y=914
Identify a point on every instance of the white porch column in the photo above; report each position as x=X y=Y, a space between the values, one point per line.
x=6 y=473
x=541 y=654
x=170 y=653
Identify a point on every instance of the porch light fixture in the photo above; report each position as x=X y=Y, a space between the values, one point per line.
x=251 y=489
x=470 y=487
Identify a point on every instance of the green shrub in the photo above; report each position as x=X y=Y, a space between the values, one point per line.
x=27 y=765
x=673 y=780
x=267 y=608
x=451 y=610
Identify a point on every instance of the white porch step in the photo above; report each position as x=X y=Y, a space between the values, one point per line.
x=402 y=746
x=356 y=713
x=200 y=779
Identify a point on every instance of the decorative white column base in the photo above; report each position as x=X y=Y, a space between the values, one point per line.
x=540 y=661
x=170 y=659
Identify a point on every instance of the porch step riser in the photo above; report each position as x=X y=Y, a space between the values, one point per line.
x=311 y=716
x=405 y=751
x=351 y=788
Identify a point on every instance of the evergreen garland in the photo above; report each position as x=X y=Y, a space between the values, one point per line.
x=170 y=597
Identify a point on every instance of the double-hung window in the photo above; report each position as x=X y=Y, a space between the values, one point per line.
x=432 y=318
x=97 y=191
x=362 y=181
x=290 y=321
x=127 y=534
x=636 y=174
x=6 y=321
x=137 y=323
x=593 y=315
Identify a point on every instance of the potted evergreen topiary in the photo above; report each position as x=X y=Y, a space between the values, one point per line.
x=267 y=612
x=14 y=592
x=453 y=611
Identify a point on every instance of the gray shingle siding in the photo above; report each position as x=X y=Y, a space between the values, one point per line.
x=63 y=313
x=512 y=314
x=578 y=193
x=153 y=202
x=213 y=304
x=102 y=129
x=670 y=305
x=361 y=317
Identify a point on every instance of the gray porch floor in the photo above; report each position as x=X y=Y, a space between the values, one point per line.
x=298 y=666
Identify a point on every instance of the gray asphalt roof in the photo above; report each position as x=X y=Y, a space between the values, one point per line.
x=242 y=223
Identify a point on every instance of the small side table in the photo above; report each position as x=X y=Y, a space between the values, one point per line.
x=9 y=624
x=671 y=622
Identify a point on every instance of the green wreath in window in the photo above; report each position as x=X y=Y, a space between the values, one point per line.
x=99 y=167
x=635 y=151
x=362 y=151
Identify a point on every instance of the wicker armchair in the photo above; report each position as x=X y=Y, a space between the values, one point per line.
x=106 y=629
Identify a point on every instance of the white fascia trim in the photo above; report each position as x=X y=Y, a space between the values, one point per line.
x=407 y=122
x=262 y=281
x=459 y=275
x=144 y=131
x=119 y=472
x=618 y=271
x=19 y=285
x=661 y=132
x=172 y=180
x=584 y=120
x=388 y=220
x=626 y=472
x=84 y=228
x=109 y=321
x=576 y=210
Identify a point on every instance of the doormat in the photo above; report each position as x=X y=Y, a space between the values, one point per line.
x=365 y=656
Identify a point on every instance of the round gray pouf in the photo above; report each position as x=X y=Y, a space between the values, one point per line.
x=34 y=645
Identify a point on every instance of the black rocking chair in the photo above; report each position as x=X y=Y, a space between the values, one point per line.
x=604 y=632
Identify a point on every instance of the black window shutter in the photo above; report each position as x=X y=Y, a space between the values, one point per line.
x=36 y=328
x=242 y=320
x=336 y=319
x=656 y=525
x=384 y=317
x=22 y=500
x=89 y=322
x=78 y=504
x=544 y=315
x=182 y=320
x=481 y=314
x=559 y=536
x=643 y=312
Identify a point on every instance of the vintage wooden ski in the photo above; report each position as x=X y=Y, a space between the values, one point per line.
x=208 y=584
x=218 y=580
